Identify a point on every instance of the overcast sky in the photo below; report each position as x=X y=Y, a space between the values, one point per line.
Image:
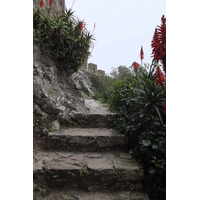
x=121 y=28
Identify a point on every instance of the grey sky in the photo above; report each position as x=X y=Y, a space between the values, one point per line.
x=121 y=28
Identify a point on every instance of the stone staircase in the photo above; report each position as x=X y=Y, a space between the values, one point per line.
x=87 y=162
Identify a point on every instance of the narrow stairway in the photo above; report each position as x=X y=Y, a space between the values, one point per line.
x=87 y=162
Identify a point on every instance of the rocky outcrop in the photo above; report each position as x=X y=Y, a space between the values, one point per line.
x=55 y=95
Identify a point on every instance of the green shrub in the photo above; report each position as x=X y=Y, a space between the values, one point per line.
x=139 y=102
x=63 y=37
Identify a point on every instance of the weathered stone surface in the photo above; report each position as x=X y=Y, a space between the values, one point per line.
x=54 y=94
x=89 y=171
x=91 y=119
x=96 y=116
x=55 y=126
x=81 y=82
x=95 y=106
x=85 y=139
x=40 y=120
x=80 y=195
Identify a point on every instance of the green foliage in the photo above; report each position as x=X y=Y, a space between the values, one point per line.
x=60 y=36
x=139 y=103
x=104 y=86
x=100 y=87
x=120 y=72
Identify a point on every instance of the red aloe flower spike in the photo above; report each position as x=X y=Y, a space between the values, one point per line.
x=141 y=53
x=158 y=43
x=135 y=65
x=81 y=26
x=159 y=78
x=50 y=2
x=61 y=2
x=41 y=4
x=155 y=44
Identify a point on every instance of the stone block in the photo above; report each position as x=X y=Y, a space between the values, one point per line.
x=87 y=171
x=85 y=140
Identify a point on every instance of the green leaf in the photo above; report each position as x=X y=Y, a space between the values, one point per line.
x=155 y=146
x=151 y=170
x=153 y=157
x=141 y=114
x=139 y=90
x=158 y=112
x=146 y=142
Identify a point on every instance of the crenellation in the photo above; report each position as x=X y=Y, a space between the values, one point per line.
x=100 y=72
x=92 y=68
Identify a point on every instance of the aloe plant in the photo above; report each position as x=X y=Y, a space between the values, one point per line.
x=61 y=37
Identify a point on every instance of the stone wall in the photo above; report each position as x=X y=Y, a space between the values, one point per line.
x=100 y=72
x=92 y=68
x=55 y=6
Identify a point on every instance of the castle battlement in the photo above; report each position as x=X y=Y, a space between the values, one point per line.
x=92 y=68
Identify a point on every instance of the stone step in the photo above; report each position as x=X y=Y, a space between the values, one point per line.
x=81 y=195
x=85 y=139
x=92 y=119
x=88 y=171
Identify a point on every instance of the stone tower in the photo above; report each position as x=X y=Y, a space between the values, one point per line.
x=56 y=6
x=92 y=68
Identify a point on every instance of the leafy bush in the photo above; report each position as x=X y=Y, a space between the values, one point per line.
x=63 y=37
x=139 y=102
x=120 y=72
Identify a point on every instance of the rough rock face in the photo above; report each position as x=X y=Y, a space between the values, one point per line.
x=55 y=95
